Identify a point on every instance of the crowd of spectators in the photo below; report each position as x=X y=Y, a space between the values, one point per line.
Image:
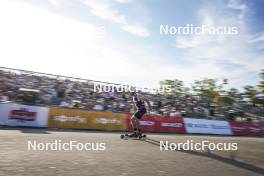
x=47 y=90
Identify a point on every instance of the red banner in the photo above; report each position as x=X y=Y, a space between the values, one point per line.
x=170 y=124
x=246 y=129
x=254 y=129
x=150 y=123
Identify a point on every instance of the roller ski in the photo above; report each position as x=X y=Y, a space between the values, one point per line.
x=133 y=136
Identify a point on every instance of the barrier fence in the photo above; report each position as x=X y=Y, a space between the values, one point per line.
x=244 y=129
x=81 y=119
x=159 y=124
x=202 y=126
x=13 y=114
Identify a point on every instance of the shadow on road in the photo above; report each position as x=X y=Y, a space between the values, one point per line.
x=230 y=161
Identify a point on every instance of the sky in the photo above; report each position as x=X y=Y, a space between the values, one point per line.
x=120 y=41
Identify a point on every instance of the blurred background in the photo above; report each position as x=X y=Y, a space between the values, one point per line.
x=206 y=98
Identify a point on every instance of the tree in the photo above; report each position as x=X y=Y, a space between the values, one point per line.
x=233 y=93
x=251 y=93
x=230 y=97
x=261 y=83
x=176 y=86
x=207 y=90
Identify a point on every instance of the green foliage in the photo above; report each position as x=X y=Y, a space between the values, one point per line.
x=230 y=97
x=207 y=89
x=261 y=83
x=251 y=93
x=176 y=86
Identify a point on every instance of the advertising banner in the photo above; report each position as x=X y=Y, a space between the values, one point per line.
x=150 y=123
x=254 y=129
x=147 y=123
x=83 y=119
x=239 y=128
x=13 y=114
x=3 y=113
x=170 y=125
x=246 y=128
x=202 y=126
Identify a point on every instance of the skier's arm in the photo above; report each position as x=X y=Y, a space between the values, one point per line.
x=146 y=100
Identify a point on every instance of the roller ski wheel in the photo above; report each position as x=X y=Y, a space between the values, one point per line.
x=142 y=136
x=124 y=136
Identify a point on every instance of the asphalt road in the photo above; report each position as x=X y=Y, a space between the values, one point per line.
x=124 y=157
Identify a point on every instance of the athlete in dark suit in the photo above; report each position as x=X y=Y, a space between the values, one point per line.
x=139 y=104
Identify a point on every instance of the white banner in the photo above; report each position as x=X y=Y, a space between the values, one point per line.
x=202 y=126
x=13 y=114
x=146 y=123
x=171 y=124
